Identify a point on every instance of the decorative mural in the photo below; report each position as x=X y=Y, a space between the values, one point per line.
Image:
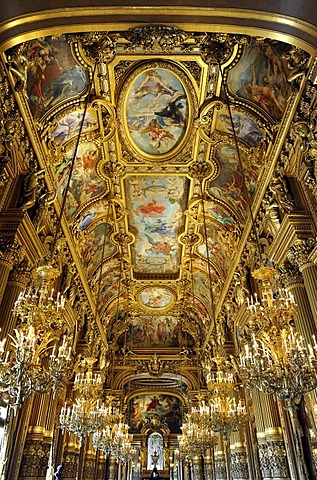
x=244 y=127
x=156 y=213
x=160 y=331
x=156 y=297
x=261 y=76
x=229 y=185
x=156 y=110
x=91 y=249
x=220 y=251
x=168 y=408
x=52 y=74
x=69 y=125
x=85 y=183
x=219 y=213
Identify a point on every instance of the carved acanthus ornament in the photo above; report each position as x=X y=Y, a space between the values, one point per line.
x=159 y=38
x=290 y=276
x=217 y=48
x=11 y=252
x=20 y=274
x=200 y=170
x=300 y=252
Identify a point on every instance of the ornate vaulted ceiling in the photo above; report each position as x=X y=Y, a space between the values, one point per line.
x=157 y=211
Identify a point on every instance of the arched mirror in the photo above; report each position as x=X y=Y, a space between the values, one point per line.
x=155 y=448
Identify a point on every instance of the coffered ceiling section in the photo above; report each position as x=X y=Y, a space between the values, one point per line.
x=160 y=191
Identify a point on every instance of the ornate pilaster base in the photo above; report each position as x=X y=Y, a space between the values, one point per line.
x=197 y=470
x=220 y=466
x=70 y=465
x=35 y=459
x=209 y=474
x=239 y=466
x=264 y=461
x=278 y=460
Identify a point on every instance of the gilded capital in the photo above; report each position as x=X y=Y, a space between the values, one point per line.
x=11 y=252
x=299 y=253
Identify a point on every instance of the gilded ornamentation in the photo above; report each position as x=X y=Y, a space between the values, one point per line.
x=220 y=468
x=156 y=38
x=35 y=458
x=299 y=252
x=11 y=252
x=217 y=48
x=239 y=465
x=264 y=455
x=201 y=170
x=97 y=46
x=20 y=274
x=297 y=60
x=291 y=276
x=195 y=69
x=277 y=459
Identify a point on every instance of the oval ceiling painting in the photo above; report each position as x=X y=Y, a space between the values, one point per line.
x=156 y=109
x=156 y=297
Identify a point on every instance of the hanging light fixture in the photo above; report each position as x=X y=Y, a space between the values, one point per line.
x=113 y=436
x=21 y=372
x=26 y=365
x=277 y=360
x=197 y=435
x=227 y=413
x=85 y=414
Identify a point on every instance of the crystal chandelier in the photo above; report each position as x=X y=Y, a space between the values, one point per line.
x=85 y=414
x=37 y=305
x=226 y=413
x=26 y=367
x=121 y=447
x=197 y=434
x=113 y=436
x=277 y=360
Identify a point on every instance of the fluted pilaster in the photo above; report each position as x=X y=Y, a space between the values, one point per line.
x=299 y=255
x=10 y=254
x=17 y=281
x=197 y=468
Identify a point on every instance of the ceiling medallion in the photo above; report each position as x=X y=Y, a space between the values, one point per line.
x=156 y=108
x=155 y=297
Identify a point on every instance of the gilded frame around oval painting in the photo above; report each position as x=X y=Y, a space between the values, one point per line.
x=155 y=297
x=156 y=108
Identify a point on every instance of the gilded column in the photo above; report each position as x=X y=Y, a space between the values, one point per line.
x=220 y=460
x=261 y=436
x=197 y=468
x=112 y=469
x=238 y=457
x=71 y=458
x=299 y=255
x=293 y=280
x=209 y=468
x=10 y=253
x=274 y=438
x=17 y=281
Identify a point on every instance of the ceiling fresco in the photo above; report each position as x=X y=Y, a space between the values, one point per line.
x=158 y=198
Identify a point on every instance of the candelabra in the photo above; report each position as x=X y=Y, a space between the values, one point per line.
x=226 y=415
x=277 y=361
x=121 y=447
x=26 y=366
x=37 y=305
x=113 y=437
x=197 y=434
x=84 y=415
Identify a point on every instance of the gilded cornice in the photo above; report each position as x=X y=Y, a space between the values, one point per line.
x=284 y=25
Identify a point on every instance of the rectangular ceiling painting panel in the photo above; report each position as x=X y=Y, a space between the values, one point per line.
x=156 y=211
